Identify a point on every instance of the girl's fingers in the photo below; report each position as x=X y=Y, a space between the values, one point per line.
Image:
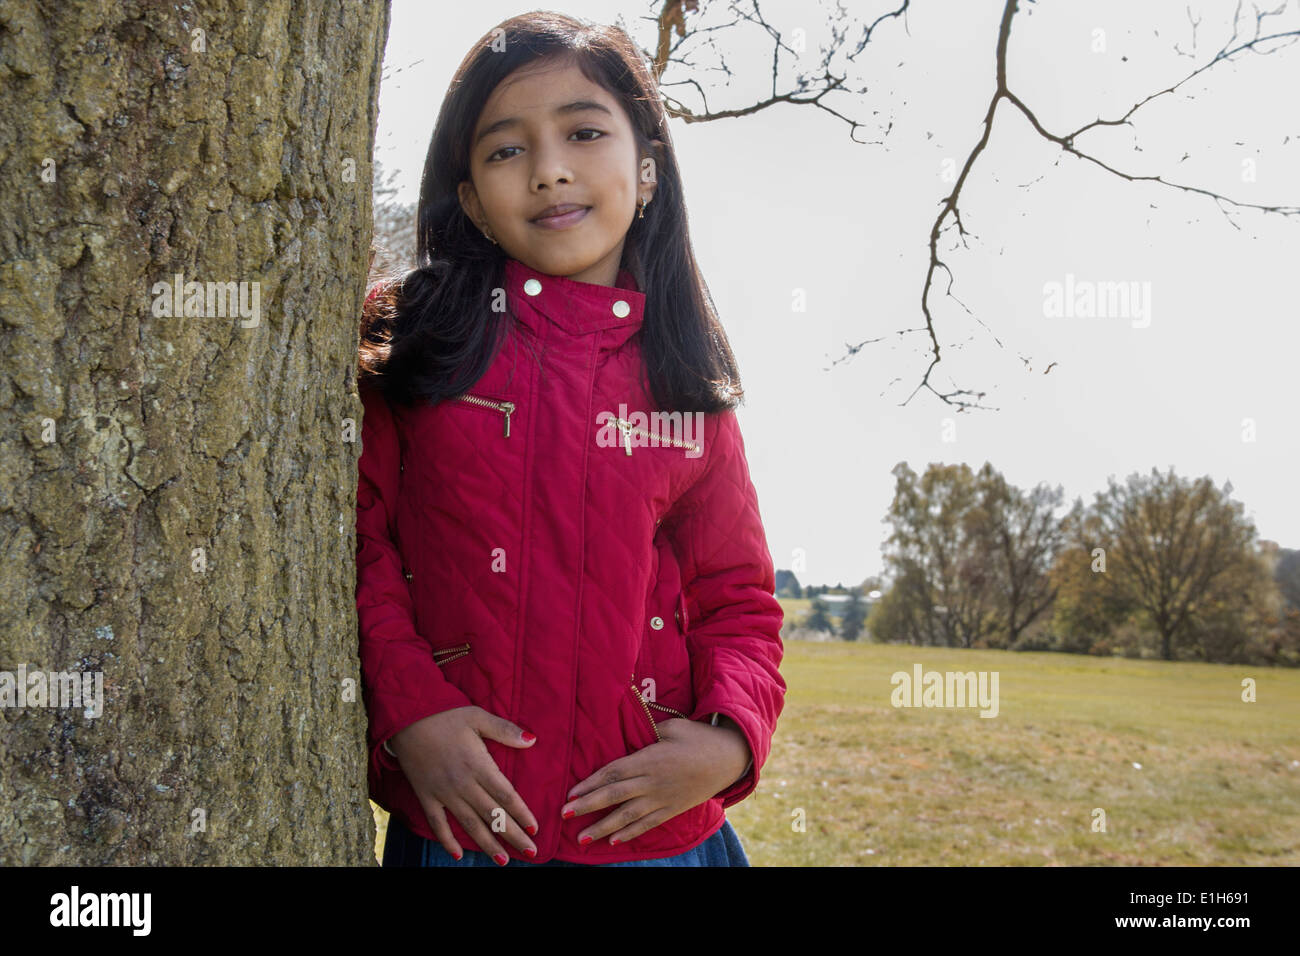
x=623 y=817
x=610 y=795
x=647 y=822
x=473 y=824
x=491 y=808
x=438 y=820
x=499 y=788
x=624 y=768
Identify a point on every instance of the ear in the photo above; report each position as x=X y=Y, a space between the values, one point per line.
x=469 y=202
x=647 y=177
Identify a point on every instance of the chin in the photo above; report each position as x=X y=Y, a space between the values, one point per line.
x=553 y=262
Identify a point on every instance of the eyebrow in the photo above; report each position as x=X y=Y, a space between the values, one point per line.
x=577 y=106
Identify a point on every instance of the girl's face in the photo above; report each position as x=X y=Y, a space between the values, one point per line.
x=549 y=136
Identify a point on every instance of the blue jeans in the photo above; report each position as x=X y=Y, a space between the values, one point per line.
x=404 y=848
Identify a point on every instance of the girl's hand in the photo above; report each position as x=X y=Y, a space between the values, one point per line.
x=691 y=764
x=449 y=767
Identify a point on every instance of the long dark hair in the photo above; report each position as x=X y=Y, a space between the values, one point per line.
x=431 y=333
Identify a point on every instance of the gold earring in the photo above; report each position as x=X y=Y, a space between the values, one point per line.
x=488 y=235
x=641 y=214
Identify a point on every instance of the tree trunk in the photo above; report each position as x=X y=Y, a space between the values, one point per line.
x=177 y=490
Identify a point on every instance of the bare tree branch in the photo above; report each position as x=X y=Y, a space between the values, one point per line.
x=949 y=204
x=813 y=87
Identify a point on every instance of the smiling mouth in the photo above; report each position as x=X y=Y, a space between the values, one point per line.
x=563 y=219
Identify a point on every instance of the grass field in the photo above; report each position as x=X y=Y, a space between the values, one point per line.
x=1219 y=781
x=1218 y=784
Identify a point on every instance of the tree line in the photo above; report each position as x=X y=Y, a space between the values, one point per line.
x=1156 y=566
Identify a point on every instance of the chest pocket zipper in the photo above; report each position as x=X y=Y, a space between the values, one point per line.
x=447 y=654
x=506 y=408
x=628 y=430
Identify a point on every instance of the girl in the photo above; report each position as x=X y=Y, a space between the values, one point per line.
x=569 y=639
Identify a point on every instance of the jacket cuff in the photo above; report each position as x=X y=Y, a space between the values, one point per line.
x=381 y=758
x=714 y=722
x=440 y=695
x=747 y=782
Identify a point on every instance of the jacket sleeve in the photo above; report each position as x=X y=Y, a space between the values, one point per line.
x=734 y=618
x=402 y=682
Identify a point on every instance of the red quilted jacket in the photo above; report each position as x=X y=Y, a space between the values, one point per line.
x=585 y=578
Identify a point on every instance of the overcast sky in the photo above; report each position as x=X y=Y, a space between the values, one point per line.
x=809 y=242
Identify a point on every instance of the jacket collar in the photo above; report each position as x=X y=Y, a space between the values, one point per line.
x=578 y=308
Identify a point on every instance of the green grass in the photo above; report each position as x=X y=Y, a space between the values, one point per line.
x=1219 y=782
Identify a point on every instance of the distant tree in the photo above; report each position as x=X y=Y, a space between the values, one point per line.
x=873 y=583
x=904 y=613
x=1287 y=575
x=1232 y=618
x=1182 y=552
x=817 y=619
x=787 y=585
x=393 y=249
x=1281 y=641
x=1084 y=614
x=1025 y=536
x=941 y=550
x=855 y=614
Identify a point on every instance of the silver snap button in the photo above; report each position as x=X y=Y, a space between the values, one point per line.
x=622 y=309
x=532 y=287
x=677 y=616
x=657 y=623
x=408 y=575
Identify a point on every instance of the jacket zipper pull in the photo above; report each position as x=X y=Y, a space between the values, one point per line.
x=507 y=407
x=626 y=428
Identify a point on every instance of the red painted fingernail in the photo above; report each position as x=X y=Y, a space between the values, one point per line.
x=530 y=853
x=459 y=855
x=531 y=829
x=613 y=840
x=528 y=737
x=501 y=859
x=585 y=840
x=570 y=813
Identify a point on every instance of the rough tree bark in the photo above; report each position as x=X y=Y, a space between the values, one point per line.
x=177 y=491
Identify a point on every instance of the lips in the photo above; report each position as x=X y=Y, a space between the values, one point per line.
x=551 y=212
x=574 y=215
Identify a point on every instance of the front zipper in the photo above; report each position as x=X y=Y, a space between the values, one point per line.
x=646 y=707
x=675 y=713
x=460 y=650
x=647 y=704
x=505 y=407
x=627 y=428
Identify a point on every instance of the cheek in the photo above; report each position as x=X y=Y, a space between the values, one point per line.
x=497 y=192
x=618 y=209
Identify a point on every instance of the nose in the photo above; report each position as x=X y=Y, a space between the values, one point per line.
x=550 y=167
